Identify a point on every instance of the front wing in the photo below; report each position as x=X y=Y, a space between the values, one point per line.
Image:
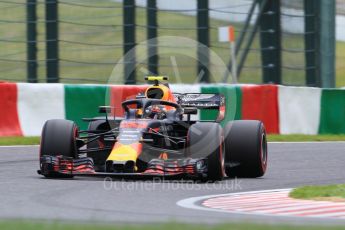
x=60 y=166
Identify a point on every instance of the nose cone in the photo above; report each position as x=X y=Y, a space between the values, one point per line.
x=120 y=166
x=122 y=152
x=123 y=158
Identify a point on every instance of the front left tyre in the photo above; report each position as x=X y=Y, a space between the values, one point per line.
x=246 y=149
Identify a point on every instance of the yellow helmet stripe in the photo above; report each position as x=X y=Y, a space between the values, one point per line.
x=156 y=78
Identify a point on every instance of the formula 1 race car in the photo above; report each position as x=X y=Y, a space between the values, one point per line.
x=156 y=137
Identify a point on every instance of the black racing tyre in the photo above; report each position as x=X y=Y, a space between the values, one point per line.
x=100 y=156
x=59 y=138
x=245 y=149
x=205 y=140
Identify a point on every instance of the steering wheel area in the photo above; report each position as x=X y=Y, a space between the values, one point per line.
x=151 y=108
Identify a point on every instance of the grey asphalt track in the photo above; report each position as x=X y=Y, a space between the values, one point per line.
x=25 y=194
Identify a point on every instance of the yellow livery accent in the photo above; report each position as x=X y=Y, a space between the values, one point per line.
x=158 y=92
x=156 y=78
x=123 y=153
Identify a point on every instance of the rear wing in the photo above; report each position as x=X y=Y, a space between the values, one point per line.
x=202 y=101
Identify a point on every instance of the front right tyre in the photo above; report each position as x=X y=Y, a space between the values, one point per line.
x=59 y=139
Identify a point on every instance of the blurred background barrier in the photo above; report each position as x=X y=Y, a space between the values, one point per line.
x=289 y=42
x=305 y=104
x=9 y=121
x=279 y=44
x=285 y=110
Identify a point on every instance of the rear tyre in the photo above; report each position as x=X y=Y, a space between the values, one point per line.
x=206 y=141
x=246 y=149
x=59 y=139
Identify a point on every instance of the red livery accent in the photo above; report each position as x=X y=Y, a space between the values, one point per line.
x=133 y=124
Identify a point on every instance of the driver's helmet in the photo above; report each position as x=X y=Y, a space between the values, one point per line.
x=161 y=92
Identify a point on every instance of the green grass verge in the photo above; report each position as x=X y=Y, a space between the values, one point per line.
x=28 y=225
x=301 y=138
x=113 y=35
x=282 y=138
x=322 y=192
x=19 y=141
